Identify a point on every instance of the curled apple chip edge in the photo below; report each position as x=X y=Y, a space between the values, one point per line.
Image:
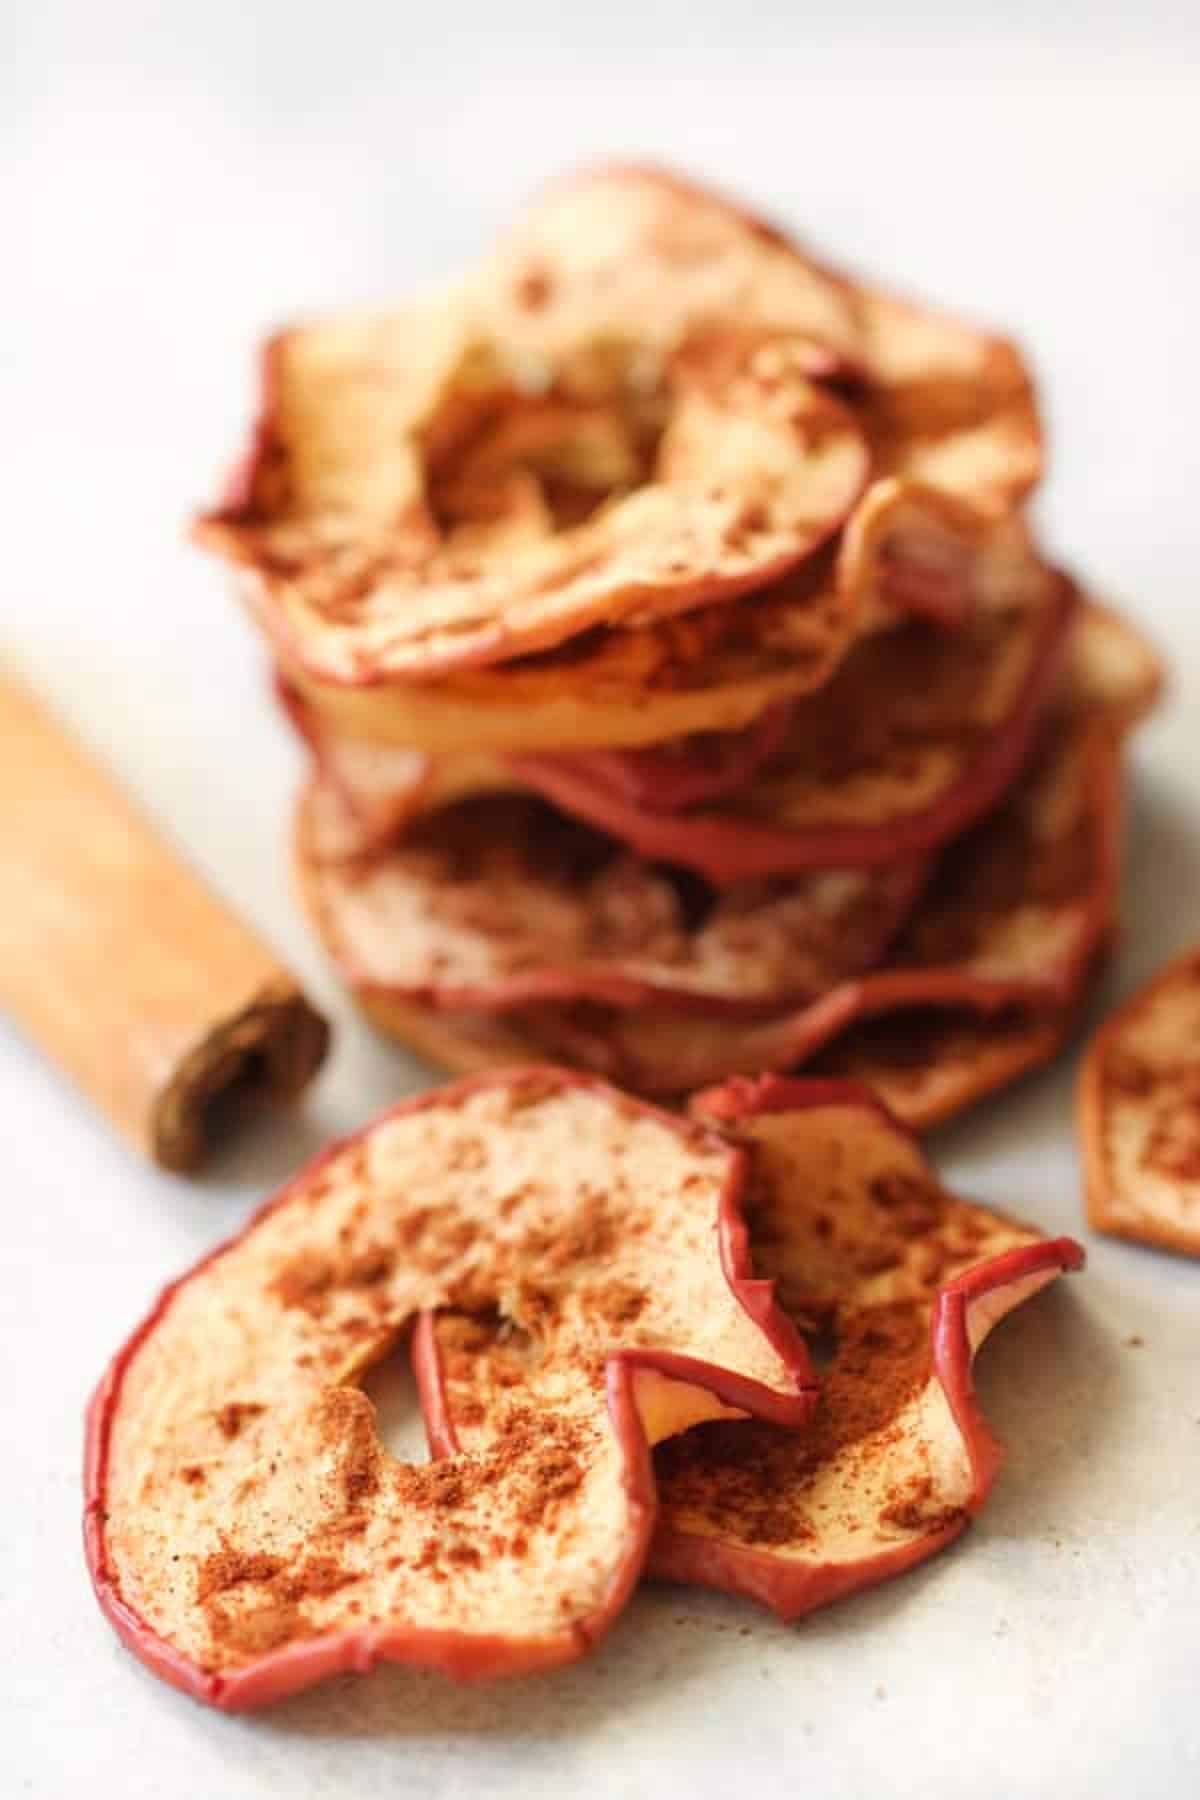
x=247 y=1533
x=924 y=786
x=868 y=1249
x=950 y=717
x=1138 y=1113
x=361 y=570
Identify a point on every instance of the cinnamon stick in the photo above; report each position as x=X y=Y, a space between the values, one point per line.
x=119 y=962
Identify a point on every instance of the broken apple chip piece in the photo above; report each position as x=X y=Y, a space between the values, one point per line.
x=1139 y=1114
x=248 y=1533
x=394 y=525
x=501 y=902
x=869 y=1254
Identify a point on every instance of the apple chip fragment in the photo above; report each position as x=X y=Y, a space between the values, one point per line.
x=248 y=1532
x=1139 y=1114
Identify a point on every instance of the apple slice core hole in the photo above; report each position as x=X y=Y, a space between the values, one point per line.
x=391 y=1387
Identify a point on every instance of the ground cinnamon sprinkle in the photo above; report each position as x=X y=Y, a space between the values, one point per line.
x=755 y=1482
x=304 y=1281
x=255 y=1624
x=347 y=1424
x=234 y=1414
x=229 y=1567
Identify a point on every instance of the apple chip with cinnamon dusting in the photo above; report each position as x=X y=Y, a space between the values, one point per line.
x=907 y=550
x=868 y=1252
x=501 y=902
x=1139 y=1114
x=976 y=987
x=419 y=501
x=942 y=401
x=918 y=733
x=248 y=1533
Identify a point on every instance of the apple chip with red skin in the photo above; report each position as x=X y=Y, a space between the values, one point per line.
x=711 y=672
x=942 y=401
x=247 y=1532
x=417 y=501
x=1139 y=1114
x=501 y=903
x=977 y=987
x=865 y=1247
x=917 y=735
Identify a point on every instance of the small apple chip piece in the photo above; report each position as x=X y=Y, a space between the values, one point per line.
x=869 y=1251
x=1139 y=1114
x=248 y=1533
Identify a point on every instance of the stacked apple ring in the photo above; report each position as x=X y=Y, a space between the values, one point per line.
x=686 y=693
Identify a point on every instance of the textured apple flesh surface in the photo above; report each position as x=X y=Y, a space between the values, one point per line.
x=248 y=1532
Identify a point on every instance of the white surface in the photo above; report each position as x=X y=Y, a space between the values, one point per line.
x=168 y=189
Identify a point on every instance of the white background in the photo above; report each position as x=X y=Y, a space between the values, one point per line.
x=174 y=180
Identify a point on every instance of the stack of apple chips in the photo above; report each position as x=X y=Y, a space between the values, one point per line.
x=686 y=693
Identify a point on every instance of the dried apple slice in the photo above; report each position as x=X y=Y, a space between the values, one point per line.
x=866 y=1247
x=980 y=985
x=916 y=736
x=384 y=523
x=1011 y=922
x=1139 y=1114
x=943 y=401
x=501 y=903
x=714 y=669
x=246 y=1530
x=907 y=549
x=918 y=733
x=629 y=252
